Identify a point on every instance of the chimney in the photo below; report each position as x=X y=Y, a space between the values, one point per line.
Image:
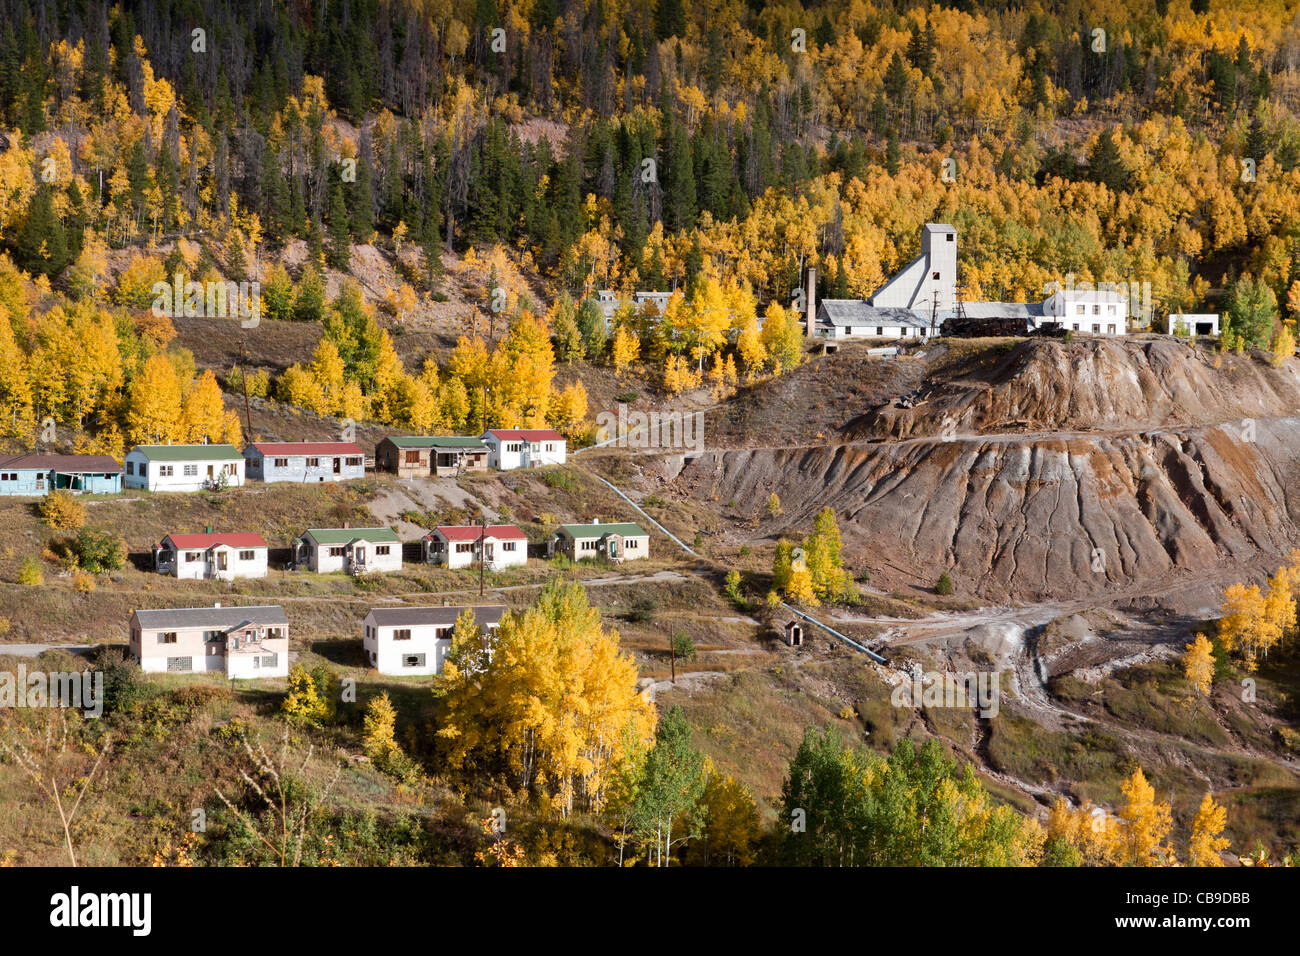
x=810 y=318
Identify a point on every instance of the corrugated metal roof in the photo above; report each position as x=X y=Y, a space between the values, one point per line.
x=856 y=312
x=241 y=539
x=344 y=535
x=485 y=615
x=210 y=617
x=469 y=532
x=189 y=452
x=306 y=448
x=436 y=441
x=625 y=528
x=525 y=434
x=69 y=464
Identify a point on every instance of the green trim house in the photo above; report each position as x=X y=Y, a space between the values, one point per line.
x=354 y=550
x=183 y=467
x=615 y=541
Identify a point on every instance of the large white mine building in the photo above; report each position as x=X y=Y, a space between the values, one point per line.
x=916 y=302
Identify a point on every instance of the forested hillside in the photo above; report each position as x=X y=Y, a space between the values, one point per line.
x=552 y=148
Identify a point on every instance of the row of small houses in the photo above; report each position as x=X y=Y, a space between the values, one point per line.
x=250 y=642
x=198 y=466
x=222 y=556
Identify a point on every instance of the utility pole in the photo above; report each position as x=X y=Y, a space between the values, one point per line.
x=482 y=555
x=243 y=380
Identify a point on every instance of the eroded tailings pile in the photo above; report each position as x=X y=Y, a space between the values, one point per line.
x=1086 y=385
x=1033 y=518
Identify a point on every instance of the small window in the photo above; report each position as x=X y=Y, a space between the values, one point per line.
x=880 y=330
x=164 y=471
x=212 y=637
x=167 y=637
x=402 y=634
x=412 y=457
x=950 y=237
x=191 y=471
x=382 y=550
x=412 y=660
x=354 y=462
x=464 y=547
x=130 y=468
x=180 y=664
x=193 y=556
x=313 y=462
x=1080 y=309
x=507 y=545
x=246 y=555
x=270 y=660
x=338 y=552
x=1096 y=329
x=282 y=463
x=934 y=276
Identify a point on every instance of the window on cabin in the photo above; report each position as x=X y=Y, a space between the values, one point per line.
x=313 y=462
x=193 y=556
x=464 y=547
x=382 y=549
x=212 y=637
x=514 y=446
x=270 y=660
x=507 y=545
x=412 y=660
x=935 y=276
x=246 y=555
x=191 y=471
x=402 y=634
x=130 y=468
x=412 y=458
x=354 y=462
x=338 y=552
x=164 y=471
x=167 y=637
x=282 y=463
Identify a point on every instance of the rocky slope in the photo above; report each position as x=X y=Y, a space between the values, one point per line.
x=1092 y=384
x=1032 y=518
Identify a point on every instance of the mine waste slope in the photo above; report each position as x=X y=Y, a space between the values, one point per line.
x=1038 y=469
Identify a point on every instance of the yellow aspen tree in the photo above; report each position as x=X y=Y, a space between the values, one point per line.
x=626 y=348
x=1243 y=617
x=1147 y=823
x=202 y=412
x=379 y=729
x=1207 y=844
x=154 y=406
x=1198 y=664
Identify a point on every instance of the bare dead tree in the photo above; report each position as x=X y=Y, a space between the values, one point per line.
x=56 y=760
x=270 y=778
